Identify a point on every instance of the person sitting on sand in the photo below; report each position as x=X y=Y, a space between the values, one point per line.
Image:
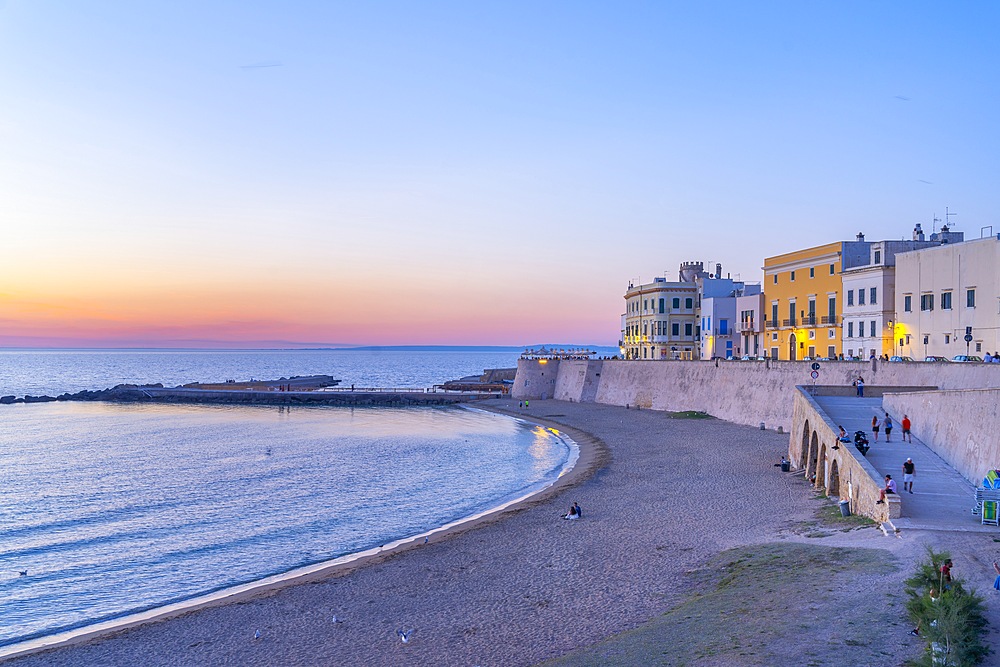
x=572 y=515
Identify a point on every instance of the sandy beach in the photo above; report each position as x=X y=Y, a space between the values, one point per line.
x=660 y=496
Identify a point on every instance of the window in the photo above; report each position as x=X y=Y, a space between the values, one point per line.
x=723 y=327
x=831 y=309
x=812 y=272
x=812 y=352
x=927 y=339
x=970 y=298
x=791 y=276
x=774 y=336
x=907 y=304
x=663 y=303
x=774 y=314
x=872 y=294
x=945 y=300
x=878 y=259
x=926 y=302
x=689 y=302
x=850 y=329
x=831 y=270
x=831 y=352
x=687 y=328
x=774 y=353
x=872 y=329
x=850 y=297
x=676 y=303
x=775 y=278
x=675 y=329
x=979 y=347
x=812 y=336
x=791 y=312
x=831 y=333
x=947 y=339
x=861 y=296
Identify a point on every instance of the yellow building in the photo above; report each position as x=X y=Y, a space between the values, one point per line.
x=803 y=306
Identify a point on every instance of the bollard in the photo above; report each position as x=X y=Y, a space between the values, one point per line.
x=762 y=426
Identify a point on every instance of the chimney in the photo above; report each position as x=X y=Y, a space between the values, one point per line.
x=861 y=236
x=718 y=270
x=918 y=233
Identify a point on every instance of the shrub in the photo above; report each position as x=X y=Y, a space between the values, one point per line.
x=950 y=619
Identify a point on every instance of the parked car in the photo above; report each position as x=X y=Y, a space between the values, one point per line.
x=932 y=358
x=965 y=358
x=900 y=358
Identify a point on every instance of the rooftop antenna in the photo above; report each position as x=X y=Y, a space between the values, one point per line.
x=935 y=221
x=948 y=215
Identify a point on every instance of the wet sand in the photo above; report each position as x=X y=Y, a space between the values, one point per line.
x=660 y=496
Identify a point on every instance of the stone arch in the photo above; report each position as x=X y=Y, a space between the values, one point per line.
x=821 y=463
x=833 y=486
x=812 y=467
x=804 y=453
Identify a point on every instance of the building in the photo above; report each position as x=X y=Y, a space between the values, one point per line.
x=869 y=296
x=660 y=320
x=723 y=333
x=946 y=293
x=750 y=324
x=803 y=298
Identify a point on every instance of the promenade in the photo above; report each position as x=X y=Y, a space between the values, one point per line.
x=941 y=500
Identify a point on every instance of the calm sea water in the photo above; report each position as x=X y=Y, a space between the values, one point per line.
x=52 y=372
x=113 y=509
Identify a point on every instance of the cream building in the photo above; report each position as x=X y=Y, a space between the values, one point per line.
x=943 y=291
x=660 y=320
x=869 y=297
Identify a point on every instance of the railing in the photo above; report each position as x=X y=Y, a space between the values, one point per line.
x=771 y=324
x=789 y=322
x=827 y=319
x=809 y=321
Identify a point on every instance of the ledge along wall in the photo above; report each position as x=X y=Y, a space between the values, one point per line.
x=958 y=425
x=744 y=392
x=841 y=472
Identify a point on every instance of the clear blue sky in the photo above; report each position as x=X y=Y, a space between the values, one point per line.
x=466 y=172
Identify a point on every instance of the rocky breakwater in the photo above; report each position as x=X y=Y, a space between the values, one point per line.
x=157 y=393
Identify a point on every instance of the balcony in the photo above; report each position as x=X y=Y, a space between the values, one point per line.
x=809 y=321
x=771 y=324
x=789 y=322
x=827 y=319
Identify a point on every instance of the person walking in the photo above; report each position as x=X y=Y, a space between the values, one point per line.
x=876 y=425
x=888 y=427
x=909 y=470
x=906 y=429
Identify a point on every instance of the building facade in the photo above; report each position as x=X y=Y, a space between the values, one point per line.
x=803 y=299
x=869 y=298
x=946 y=292
x=720 y=318
x=660 y=320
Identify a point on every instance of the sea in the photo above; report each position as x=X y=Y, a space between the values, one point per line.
x=108 y=510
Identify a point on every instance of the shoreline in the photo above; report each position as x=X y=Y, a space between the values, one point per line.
x=663 y=497
x=590 y=452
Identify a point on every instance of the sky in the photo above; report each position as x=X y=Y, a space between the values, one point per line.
x=274 y=174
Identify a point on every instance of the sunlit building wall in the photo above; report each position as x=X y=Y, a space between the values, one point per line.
x=941 y=291
x=803 y=305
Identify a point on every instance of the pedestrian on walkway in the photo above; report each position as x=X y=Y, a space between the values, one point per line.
x=860 y=384
x=909 y=470
x=906 y=429
x=996 y=582
x=888 y=427
x=876 y=425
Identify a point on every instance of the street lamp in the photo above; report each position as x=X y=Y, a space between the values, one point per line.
x=892 y=332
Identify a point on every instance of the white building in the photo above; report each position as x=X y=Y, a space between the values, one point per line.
x=869 y=296
x=944 y=291
x=723 y=331
x=750 y=325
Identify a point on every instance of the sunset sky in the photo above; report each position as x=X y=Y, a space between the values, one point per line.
x=325 y=173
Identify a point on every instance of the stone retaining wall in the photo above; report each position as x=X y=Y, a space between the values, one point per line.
x=958 y=425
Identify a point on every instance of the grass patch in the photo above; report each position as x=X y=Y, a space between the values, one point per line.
x=759 y=606
x=690 y=414
x=829 y=515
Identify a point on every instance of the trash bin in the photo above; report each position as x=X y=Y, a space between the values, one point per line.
x=785 y=466
x=845 y=508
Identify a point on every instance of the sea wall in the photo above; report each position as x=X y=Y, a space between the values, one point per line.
x=958 y=425
x=745 y=392
x=842 y=472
